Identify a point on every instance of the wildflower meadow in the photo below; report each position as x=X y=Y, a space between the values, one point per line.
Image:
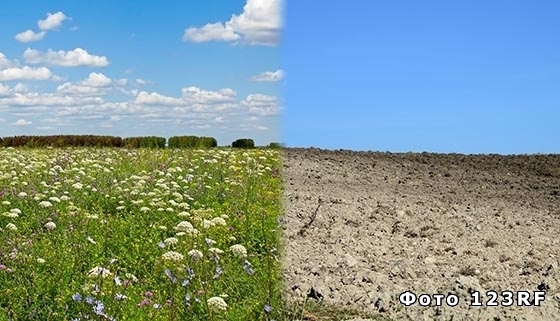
x=141 y=234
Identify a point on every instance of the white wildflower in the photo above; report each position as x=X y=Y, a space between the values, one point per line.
x=239 y=250
x=195 y=254
x=184 y=226
x=219 y=221
x=215 y=250
x=11 y=227
x=131 y=277
x=206 y=224
x=172 y=256
x=11 y=214
x=99 y=271
x=50 y=226
x=171 y=241
x=45 y=204
x=40 y=260
x=217 y=304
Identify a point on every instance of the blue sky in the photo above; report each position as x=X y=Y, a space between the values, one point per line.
x=440 y=76
x=135 y=68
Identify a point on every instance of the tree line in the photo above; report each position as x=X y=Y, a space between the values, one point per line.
x=128 y=142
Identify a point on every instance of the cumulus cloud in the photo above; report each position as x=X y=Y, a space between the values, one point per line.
x=29 y=36
x=72 y=58
x=262 y=105
x=5 y=62
x=21 y=122
x=25 y=73
x=4 y=90
x=94 y=84
x=269 y=76
x=211 y=32
x=260 y=23
x=52 y=21
x=195 y=95
x=20 y=88
x=145 y=98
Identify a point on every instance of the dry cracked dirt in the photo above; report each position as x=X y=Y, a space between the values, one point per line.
x=360 y=228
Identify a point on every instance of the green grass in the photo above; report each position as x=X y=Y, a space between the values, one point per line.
x=118 y=212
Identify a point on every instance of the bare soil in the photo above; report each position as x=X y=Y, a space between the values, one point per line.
x=360 y=228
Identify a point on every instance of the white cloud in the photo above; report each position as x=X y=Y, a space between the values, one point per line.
x=4 y=90
x=195 y=95
x=269 y=76
x=96 y=79
x=95 y=84
x=20 y=88
x=219 y=119
x=153 y=98
x=73 y=58
x=44 y=100
x=52 y=21
x=21 y=122
x=259 y=24
x=263 y=105
x=211 y=32
x=142 y=82
x=29 y=36
x=27 y=73
x=5 y=62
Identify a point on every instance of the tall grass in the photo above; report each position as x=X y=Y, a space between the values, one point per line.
x=112 y=234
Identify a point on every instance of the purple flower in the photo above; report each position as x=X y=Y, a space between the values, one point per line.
x=143 y=303
x=267 y=308
x=219 y=271
x=170 y=275
x=99 y=308
x=77 y=297
x=248 y=268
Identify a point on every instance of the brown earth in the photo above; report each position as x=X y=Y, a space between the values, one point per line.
x=360 y=228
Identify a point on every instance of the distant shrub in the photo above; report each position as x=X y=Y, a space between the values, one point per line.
x=243 y=143
x=144 y=142
x=192 y=142
x=275 y=145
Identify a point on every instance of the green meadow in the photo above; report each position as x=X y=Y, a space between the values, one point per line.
x=141 y=234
